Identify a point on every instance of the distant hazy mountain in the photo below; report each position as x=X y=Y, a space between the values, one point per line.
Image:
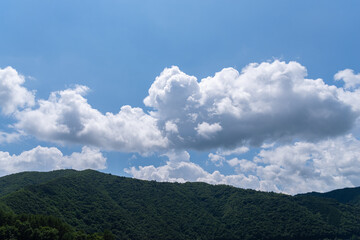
x=135 y=209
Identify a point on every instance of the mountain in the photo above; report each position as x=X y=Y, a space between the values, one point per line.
x=14 y=182
x=134 y=209
x=346 y=195
x=38 y=227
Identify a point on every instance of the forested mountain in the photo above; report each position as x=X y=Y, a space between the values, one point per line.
x=38 y=227
x=14 y=182
x=346 y=195
x=91 y=201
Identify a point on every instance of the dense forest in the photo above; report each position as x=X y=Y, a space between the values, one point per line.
x=91 y=205
x=38 y=227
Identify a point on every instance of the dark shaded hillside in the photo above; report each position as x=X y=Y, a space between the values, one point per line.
x=135 y=209
x=37 y=227
x=346 y=195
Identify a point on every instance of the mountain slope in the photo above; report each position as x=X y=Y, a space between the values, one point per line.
x=135 y=209
x=346 y=195
x=17 y=181
x=37 y=227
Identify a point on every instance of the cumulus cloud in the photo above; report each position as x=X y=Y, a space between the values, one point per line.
x=171 y=127
x=242 y=165
x=350 y=79
x=207 y=130
x=267 y=102
x=304 y=166
x=177 y=156
x=296 y=168
x=45 y=159
x=66 y=117
x=184 y=171
x=9 y=137
x=219 y=157
x=271 y=101
x=230 y=111
x=12 y=94
x=171 y=93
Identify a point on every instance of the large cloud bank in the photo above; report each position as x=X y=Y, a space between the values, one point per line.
x=230 y=112
x=265 y=102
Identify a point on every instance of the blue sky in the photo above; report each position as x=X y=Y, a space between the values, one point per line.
x=116 y=49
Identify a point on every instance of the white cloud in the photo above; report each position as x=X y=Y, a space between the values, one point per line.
x=45 y=159
x=186 y=171
x=237 y=151
x=350 y=98
x=216 y=159
x=171 y=92
x=303 y=166
x=179 y=168
x=219 y=157
x=266 y=102
x=350 y=79
x=207 y=130
x=9 y=137
x=170 y=126
x=172 y=171
x=296 y=168
x=66 y=117
x=268 y=145
x=12 y=94
x=177 y=156
x=243 y=165
x=88 y=158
